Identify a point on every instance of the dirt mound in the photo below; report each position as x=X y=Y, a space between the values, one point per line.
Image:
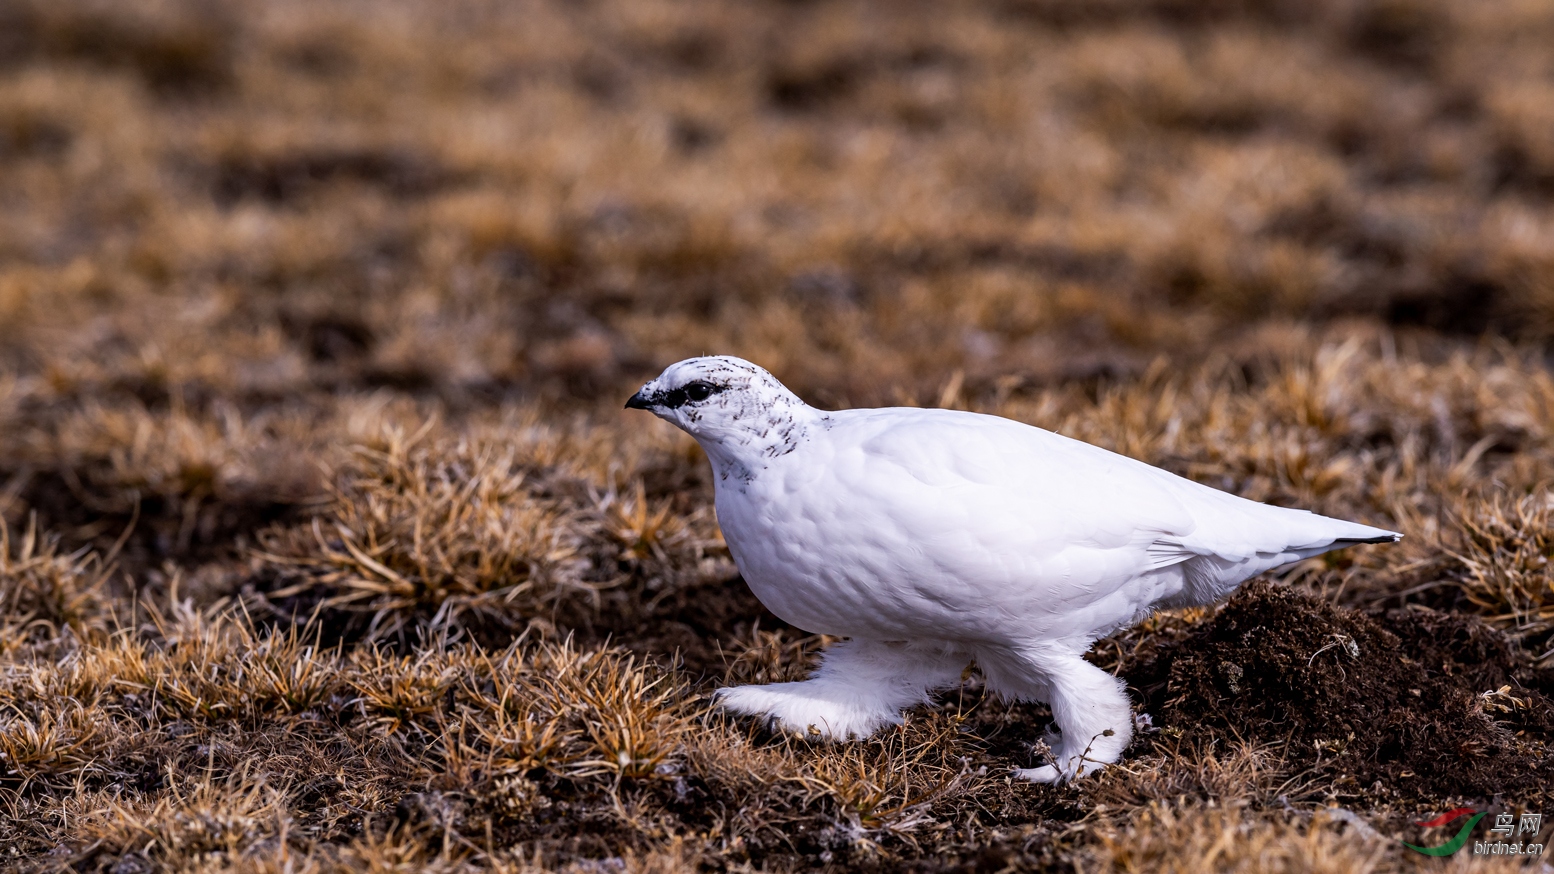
x=1388 y=704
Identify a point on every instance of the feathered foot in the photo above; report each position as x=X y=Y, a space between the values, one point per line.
x=1089 y=706
x=861 y=686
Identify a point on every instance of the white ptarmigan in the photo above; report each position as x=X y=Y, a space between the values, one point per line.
x=931 y=538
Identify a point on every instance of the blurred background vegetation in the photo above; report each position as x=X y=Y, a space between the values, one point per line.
x=224 y=221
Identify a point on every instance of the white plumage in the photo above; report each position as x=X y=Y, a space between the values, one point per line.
x=931 y=538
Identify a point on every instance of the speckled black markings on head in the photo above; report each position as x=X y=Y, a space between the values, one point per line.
x=786 y=443
x=754 y=411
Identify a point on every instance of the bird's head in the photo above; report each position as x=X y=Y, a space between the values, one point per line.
x=728 y=403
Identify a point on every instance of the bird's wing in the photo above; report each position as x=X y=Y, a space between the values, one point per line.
x=1064 y=506
x=999 y=500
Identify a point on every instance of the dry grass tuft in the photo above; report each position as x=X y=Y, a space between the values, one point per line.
x=44 y=592
x=1227 y=839
x=1504 y=561
x=413 y=529
x=497 y=530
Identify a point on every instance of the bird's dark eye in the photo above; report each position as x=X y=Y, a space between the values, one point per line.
x=698 y=391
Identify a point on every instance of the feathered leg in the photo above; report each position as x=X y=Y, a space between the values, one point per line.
x=1089 y=705
x=861 y=685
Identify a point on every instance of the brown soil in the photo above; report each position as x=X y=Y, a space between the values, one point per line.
x=1389 y=704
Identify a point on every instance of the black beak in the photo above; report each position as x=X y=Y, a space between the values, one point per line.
x=639 y=401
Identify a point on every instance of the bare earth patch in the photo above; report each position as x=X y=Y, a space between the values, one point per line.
x=1409 y=706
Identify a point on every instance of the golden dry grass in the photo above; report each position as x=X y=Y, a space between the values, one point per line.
x=324 y=544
